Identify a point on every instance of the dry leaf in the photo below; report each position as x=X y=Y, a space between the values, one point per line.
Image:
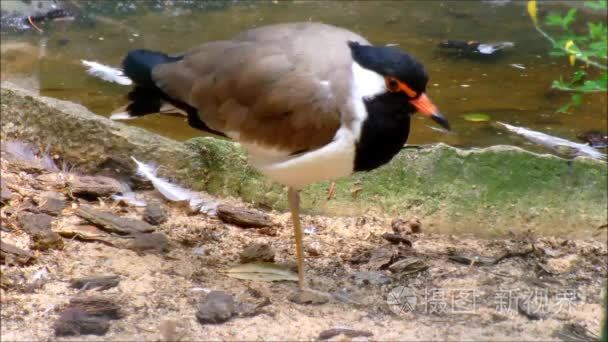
x=261 y=271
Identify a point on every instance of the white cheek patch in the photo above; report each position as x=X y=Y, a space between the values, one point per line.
x=365 y=84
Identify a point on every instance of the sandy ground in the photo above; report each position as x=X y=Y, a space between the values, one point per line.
x=544 y=288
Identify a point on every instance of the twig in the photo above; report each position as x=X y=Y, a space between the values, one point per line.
x=576 y=55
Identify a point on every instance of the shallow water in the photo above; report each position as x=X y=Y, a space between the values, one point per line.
x=458 y=84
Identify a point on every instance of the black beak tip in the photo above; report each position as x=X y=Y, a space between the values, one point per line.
x=441 y=120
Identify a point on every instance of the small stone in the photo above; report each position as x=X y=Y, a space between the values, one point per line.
x=257 y=252
x=154 y=242
x=173 y=329
x=113 y=223
x=396 y=238
x=381 y=257
x=155 y=213
x=327 y=334
x=46 y=240
x=268 y=231
x=370 y=278
x=51 y=203
x=51 y=181
x=33 y=223
x=313 y=249
x=249 y=309
x=38 y=226
x=99 y=282
x=87 y=315
x=408 y=266
x=242 y=217
x=5 y=193
x=73 y=322
x=101 y=306
x=93 y=186
x=217 y=307
x=411 y=226
x=533 y=310
x=11 y=254
x=309 y=296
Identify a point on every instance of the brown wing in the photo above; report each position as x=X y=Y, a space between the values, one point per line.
x=272 y=85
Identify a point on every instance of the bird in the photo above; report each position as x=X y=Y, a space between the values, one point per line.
x=307 y=101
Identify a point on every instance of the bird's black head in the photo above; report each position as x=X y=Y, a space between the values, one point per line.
x=403 y=75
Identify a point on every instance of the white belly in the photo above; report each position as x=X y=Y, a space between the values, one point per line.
x=334 y=160
x=331 y=161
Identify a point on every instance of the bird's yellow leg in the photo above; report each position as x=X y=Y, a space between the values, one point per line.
x=293 y=197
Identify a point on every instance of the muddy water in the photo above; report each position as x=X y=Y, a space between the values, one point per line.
x=458 y=84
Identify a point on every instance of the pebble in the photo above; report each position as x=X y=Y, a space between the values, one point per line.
x=33 y=223
x=370 y=278
x=313 y=249
x=217 y=307
x=38 y=226
x=408 y=266
x=396 y=238
x=88 y=315
x=153 y=242
x=257 y=252
x=5 y=193
x=99 y=282
x=330 y=333
x=309 y=296
x=155 y=213
x=52 y=203
x=78 y=322
x=411 y=226
x=93 y=186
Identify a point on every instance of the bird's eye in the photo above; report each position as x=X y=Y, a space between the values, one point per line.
x=392 y=84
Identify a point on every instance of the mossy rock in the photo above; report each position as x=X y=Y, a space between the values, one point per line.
x=490 y=190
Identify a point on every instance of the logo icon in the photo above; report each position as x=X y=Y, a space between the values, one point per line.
x=401 y=300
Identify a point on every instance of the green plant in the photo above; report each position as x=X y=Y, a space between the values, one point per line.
x=588 y=45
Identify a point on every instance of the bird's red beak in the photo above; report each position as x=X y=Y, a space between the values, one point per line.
x=425 y=107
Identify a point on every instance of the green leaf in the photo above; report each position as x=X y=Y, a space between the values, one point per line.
x=554 y=19
x=577 y=76
x=604 y=79
x=569 y=18
x=261 y=271
x=565 y=108
x=576 y=99
x=596 y=30
x=477 y=117
x=598 y=49
x=596 y=5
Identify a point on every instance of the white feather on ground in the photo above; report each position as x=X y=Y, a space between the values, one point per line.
x=555 y=143
x=128 y=196
x=175 y=192
x=26 y=152
x=106 y=73
x=47 y=161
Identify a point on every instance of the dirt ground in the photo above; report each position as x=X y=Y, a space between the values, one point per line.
x=519 y=287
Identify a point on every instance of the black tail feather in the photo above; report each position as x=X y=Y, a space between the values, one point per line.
x=144 y=100
x=138 y=65
x=146 y=97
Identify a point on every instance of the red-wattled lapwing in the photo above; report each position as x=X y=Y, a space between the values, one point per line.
x=308 y=101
